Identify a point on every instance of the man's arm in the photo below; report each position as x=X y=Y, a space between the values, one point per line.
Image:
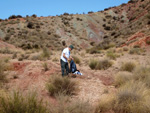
x=65 y=56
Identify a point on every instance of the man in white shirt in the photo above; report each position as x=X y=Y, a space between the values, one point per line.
x=65 y=57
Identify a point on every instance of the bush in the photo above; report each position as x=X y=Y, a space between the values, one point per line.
x=93 y=63
x=128 y=66
x=93 y=50
x=111 y=55
x=103 y=64
x=45 y=66
x=75 y=106
x=142 y=74
x=30 y=25
x=79 y=107
x=137 y=51
x=121 y=78
x=125 y=49
x=36 y=57
x=2 y=71
x=45 y=53
x=61 y=85
x=148 y=42
x=17 y=103
x=105 y=104
x=132 y=98
x=76 y=59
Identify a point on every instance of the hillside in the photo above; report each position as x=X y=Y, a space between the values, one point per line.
x=112 y=51
x=113 y=25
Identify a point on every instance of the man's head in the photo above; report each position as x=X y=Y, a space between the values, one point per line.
x=71 y=47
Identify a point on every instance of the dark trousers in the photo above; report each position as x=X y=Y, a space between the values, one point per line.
x=64 y=67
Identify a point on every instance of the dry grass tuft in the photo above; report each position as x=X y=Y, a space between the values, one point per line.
x=131 y=98
x=17 y=103
x=61 y=85
x=76 y=59
x=105 y=104
x=101 y=64
x=122 y=77
x=128 y=66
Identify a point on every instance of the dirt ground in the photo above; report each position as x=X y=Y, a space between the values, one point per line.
x=29 y=75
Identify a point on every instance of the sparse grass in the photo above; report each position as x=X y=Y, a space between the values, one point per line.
x=82 y=54
x=2 y=74
x=121 y=78
x=45 y=66
x=14 y=55
x=148 y=42
x=128 y=66
x=137 y=51
x=46 y=53
x=58 y=84
x=55 y=59
x=6 y=50
x=93 y=63
x=17 y=103
x=101 y=64
x=125 y=48
x=5 y=66
x=74 y=106
x=131 y=98
x=111 y=55
x=79 y=106
x=105 y=104
x=142 y=74
x=36 y=57
x=93 y=50
x=76 y=59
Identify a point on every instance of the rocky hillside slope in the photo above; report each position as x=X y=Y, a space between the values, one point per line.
x=112 y=26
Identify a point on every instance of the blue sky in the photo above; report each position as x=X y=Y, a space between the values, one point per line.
x=53 y=7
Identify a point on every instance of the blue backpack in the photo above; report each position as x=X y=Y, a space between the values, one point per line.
x=73 y=67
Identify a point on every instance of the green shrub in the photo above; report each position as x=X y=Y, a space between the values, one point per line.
x=128 y=66
x=61 y=85
x=17 y=103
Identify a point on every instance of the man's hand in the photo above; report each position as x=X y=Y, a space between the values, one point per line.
x=71 y=58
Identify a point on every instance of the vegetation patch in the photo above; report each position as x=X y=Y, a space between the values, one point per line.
x=17 y=103
x=101 y=64
x=61 y=85
x=76 y=59
x=128 y=66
